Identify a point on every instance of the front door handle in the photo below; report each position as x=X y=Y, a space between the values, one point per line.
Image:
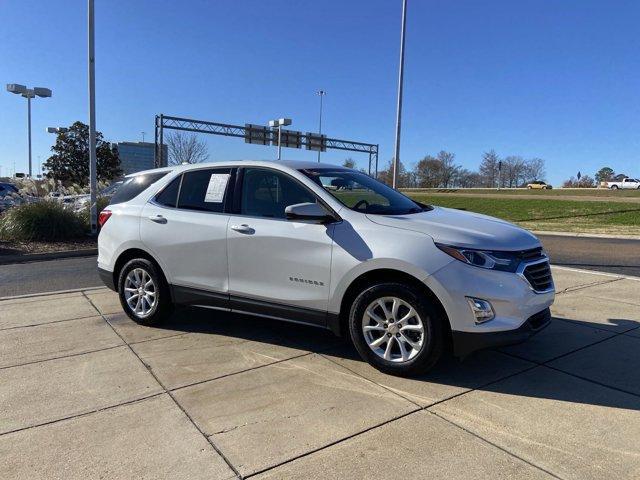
x=244 y=228
x=158 y=219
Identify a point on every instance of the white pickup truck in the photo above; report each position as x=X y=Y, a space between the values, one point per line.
x=625 y=183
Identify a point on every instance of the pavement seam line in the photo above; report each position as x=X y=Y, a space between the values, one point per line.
x=62 y=357
x=331 y=444
x=514 y=355
x=551 y=367
x=46 y=323
x=169 y=393
x=502 y=449
x=84 y=414
x=371 y=381
x=468 y=390
x=200 y=382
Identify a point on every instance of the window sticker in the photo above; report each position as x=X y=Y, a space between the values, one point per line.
x=216 y=188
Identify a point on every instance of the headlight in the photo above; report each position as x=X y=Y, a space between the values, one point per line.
x=503 y=261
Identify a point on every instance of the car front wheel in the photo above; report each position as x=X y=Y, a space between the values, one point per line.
x=396 y=329
x=144 y=294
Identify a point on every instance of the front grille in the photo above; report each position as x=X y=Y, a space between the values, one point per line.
x=539 y=276
x=532 y=254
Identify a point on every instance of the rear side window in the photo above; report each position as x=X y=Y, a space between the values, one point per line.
x=134 y=186
x=205 y=190
x=169 y=196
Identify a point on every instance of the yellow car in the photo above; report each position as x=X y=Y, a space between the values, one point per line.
x=539 y=184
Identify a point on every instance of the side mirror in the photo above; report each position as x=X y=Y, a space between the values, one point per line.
x=308 y=211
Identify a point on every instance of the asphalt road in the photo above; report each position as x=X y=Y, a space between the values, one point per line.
x=608 y=255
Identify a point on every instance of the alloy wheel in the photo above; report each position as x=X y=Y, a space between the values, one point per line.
x=140 y=292
x=393 y=329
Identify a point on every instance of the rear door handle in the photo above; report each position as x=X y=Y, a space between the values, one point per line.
x=244 y=228
x=158 y=219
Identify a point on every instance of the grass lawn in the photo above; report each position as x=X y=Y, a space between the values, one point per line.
x=560 y=192
x=548 y=214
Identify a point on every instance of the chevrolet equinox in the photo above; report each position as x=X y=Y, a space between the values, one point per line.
x=326 y=246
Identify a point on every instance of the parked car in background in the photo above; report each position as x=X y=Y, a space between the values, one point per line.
x=6 y=195
x=326 y=246
x=82 y=201
x=7 y=188
x=539 y=184
x=624 y=183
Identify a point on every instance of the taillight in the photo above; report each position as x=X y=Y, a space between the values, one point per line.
x=103 y=216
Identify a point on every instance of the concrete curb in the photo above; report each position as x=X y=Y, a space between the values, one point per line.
x=54 y=292
x=40 y=257
x=585 y=235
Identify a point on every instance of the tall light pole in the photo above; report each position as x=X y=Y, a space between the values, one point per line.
x=279 y=123
x=29 y=93
x=321 y=93
x=396 y=158
x=92 y=120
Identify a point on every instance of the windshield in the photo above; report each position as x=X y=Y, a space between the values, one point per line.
x=362 y=193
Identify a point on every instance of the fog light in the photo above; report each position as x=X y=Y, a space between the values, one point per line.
x=482 y=310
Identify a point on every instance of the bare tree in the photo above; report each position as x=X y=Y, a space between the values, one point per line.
x=349 y=163
x=489 y=168
x=449 y=168
x=429 y=172
x=534 y=170
x=186 y=148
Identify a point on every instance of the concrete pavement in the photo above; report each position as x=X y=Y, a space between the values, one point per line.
x=86 y=393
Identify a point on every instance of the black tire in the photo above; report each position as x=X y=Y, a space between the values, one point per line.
x=433 y=323
x=162 y=307
x=614 y=187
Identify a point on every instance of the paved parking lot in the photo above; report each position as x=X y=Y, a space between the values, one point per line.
x=86 y=393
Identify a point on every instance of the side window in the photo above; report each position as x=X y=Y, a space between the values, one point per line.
x=169 y=195
x=204 y=190
x=134 y=186
x=266 y=193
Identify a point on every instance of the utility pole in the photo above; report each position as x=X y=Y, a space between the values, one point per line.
x=321 y=93
x=396 y=158
x=92 y=121
x=280 y=122
x=29 y=93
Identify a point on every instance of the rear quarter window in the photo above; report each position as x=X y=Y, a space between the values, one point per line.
x=134 y=186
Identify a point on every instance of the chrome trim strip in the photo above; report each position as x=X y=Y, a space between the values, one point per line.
x=524 y=265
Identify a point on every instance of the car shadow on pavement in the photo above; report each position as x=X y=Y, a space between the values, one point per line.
x=603 y=371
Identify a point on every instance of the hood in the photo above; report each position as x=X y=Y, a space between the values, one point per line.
x=463 y=229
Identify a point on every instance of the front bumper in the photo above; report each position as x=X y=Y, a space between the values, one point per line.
x=519 y=310
x=465 y=343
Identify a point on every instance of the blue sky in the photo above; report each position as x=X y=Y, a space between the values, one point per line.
x=555 y=79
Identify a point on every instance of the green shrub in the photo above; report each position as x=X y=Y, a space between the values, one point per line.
x=45 y=220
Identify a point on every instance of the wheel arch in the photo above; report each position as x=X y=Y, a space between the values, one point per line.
x=339 y=324
x=130 y=254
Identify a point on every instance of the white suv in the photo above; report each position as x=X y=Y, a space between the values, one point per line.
x=326 y=246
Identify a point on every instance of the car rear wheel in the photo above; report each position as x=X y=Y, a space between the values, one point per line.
x=144 y=294
x=614 y=187
x=396 y=329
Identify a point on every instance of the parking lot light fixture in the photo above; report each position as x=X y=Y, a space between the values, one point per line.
x=279 y=123
x=29 y=93
x=57 y=129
